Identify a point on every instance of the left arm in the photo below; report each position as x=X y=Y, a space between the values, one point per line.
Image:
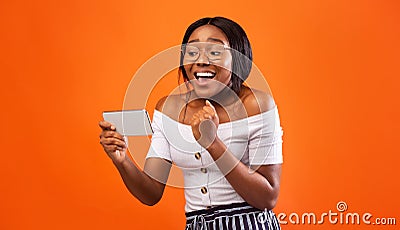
x=258 y=185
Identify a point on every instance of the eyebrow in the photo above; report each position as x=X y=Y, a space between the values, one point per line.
x=208 y=39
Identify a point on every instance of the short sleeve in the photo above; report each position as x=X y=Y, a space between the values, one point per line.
x=265 y=139
x=159 y=146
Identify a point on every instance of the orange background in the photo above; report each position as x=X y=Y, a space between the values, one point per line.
x=332 y=67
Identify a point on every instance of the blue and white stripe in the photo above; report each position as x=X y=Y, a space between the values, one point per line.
x=234 y=216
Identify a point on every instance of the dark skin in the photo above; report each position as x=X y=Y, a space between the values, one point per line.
x=259 y=187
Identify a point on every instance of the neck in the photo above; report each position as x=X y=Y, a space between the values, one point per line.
x=224 y=98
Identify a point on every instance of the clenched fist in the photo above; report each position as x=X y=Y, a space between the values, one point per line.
x=205 y=124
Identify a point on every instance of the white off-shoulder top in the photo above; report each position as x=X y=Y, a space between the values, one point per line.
x=255 y=140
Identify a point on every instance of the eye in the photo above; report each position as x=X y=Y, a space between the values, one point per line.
x=192 y=53
x=215 y=53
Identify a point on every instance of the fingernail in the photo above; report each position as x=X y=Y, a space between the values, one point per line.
x=112 y=127
x=209 y=104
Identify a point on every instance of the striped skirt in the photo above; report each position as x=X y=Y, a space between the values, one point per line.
x=232 y=216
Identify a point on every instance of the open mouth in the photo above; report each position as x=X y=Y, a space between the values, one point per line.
x=208 y=75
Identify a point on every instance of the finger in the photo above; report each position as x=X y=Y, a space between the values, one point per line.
x=210 y=106
x=201 y=118
x=105 y=125
x=201 y=113
x=208 y=103
x=113 y=141
x=111 y=134
x=194 y=121
x=209 y=110
x=108 y=134
x=207 y=116
x=195 y=117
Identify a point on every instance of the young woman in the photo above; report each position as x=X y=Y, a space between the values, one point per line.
x=230 y=149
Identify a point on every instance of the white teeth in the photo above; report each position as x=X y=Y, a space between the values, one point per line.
x=205 y=74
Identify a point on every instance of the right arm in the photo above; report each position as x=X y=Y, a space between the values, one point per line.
x=147 y=185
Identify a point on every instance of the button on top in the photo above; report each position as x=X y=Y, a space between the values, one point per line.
x=197 y=156
x=203 y=170
x=203 y=190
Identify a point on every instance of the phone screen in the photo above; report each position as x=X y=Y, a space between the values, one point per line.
x=130 y=122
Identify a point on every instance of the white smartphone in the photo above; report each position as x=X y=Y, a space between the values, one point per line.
x=130 y=122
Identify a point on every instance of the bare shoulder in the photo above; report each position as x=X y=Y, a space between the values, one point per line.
x=171 y=105
x=256 y=101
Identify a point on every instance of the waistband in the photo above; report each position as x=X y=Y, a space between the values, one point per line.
x=222 y=210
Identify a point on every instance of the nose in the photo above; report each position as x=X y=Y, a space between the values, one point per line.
x=202 y=60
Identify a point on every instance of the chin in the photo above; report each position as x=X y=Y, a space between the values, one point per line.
x=206 y=93
x=208 y=89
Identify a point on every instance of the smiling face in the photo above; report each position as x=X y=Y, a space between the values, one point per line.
x=208 y=61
